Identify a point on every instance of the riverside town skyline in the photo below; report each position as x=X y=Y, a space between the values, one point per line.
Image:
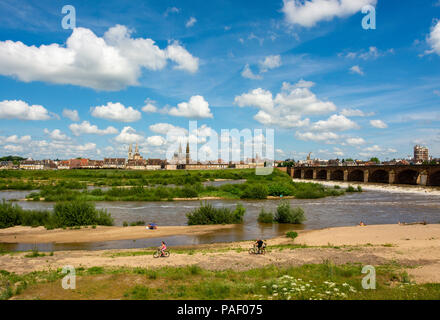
x=239 y=152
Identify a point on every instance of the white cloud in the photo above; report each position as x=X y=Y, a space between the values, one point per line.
x=56 y=134
x=355 y=113
x=378 y=124
x=317 y=137
x=196 y=107
x=18 y=109
x=13 y=148
x=356 y=69
x=112 y=62
x=334 y=123
x=190 y=22
x=15 y=139
x=434 y=39
x=287 y=107
x=129 y=135
x=71 y=114
x=309 y=12
x=117 y=112
x=171 y=10
x=247 y=73
x=371 y=53
x=165 y=128
x=270 y=62
x=150 y=106
x=156 y=141
x=86 y=128
x=183 y=59
x=355 y=141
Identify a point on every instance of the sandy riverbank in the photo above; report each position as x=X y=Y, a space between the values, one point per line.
x=21 y=234
x=417 y=247
x=435 y=191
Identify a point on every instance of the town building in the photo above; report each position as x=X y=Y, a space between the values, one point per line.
x=421 y=154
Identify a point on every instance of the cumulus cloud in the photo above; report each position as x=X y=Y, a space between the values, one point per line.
x=56 y=134
x=196 y=107
x=309 y=12
x=111 y=62
x=355 y=141
x=18 y=109
x=247 y=73
x=116 y=112
x=128 y=135
x=86 y=128
x=356 y=69
x=434 y=39
x=334 y=123
x=71 y=114
x=156 y=141
x=191 y=21
x=378 y=124
x=317 y=137
x=15 y=139
x=288 y=105
x=150 y=106
x=270 y=62
x=165 y=128
x=183 y=59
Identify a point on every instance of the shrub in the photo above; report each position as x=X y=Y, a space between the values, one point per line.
x=257 y=191
x=352 y=189
x=286 y=214
x=292 y=234
x=207 y=214
x=280 y=189
x=80 y=213
x=265 y=217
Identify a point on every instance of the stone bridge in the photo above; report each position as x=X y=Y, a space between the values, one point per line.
x=424 y=175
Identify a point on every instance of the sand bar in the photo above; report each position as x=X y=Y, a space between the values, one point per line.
x=21 y=234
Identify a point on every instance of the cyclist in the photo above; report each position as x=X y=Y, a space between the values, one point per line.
x=163 y=247
x=259 y=243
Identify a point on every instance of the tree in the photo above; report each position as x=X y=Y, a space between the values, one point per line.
x=375 y=159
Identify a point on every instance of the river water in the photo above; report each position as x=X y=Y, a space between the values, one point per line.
x=372 y=207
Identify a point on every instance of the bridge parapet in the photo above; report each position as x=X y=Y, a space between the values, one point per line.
x=425 y=175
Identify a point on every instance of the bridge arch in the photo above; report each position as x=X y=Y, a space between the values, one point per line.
x=308 y=174
x=297 y=174
x=379 y=176
x=408 y=176
x=434 y=179
x=356 y=175
x=321 y=174
x=337 y=175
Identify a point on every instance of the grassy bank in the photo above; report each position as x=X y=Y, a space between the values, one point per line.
x=64 y=214
x=187 y=184
x=318 y=281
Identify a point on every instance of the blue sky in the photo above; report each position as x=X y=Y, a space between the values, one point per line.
x=137 y=71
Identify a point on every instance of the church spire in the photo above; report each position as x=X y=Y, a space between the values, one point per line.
x=187 y=152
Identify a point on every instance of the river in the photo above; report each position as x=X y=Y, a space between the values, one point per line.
x=372 y=207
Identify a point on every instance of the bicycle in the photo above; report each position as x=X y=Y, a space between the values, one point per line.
x=158 y=253
x=255 y=250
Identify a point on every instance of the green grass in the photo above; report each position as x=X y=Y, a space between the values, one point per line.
x=313 y=281
x=68 y=185
x=208 y=214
